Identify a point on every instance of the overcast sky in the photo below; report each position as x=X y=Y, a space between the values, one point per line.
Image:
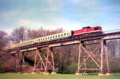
x=50 y=14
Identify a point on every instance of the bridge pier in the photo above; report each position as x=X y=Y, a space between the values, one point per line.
x=93 y=56
x=44 y=60
x=19 y=61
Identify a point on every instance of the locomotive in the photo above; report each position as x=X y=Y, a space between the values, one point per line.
x=85 y=30
x=88 y=29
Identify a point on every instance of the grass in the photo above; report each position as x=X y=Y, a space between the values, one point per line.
x=57 y=76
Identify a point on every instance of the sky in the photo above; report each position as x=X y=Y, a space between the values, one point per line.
x=52 y=14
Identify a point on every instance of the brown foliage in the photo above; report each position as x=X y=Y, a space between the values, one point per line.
x=7 y=60
x=3 y=39
x=18 y=35
x=31 y=34
x=114 y=48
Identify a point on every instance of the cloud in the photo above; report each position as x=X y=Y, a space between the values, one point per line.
x=8 y=30
x=66 y=24
x=29 y=23
x=112 y=8
x=8 y=15
x=52 y=5
x=110 y=27
x=51 y=8
x=69 y=14
x=86 y=4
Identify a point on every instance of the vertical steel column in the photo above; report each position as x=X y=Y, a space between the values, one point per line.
x=79 y=55
x=79 y=61
x=53 y=65
x=16 y=61
x=85 y=66
x=52 y=59
x=47 y=60
x=20 y=59
x=102 y=49
x=35 y=60
x=108 y=69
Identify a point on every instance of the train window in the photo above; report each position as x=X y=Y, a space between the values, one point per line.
x=67 y=33
x=41 y=39
x=61 y=34
x=48 y=37
x=58 y=35
x=64 y=34
x=53 y=36
x=96 y=28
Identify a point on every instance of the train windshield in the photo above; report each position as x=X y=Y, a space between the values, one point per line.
x=96 y=28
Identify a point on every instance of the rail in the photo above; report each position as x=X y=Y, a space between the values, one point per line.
x=111 y=31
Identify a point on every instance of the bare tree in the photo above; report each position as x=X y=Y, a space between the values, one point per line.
x=117 y=47
x=3 y=39
x=113 y=47
x=31 y=34
x=18 y=35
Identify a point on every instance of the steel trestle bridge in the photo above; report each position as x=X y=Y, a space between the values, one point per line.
x=98 y=54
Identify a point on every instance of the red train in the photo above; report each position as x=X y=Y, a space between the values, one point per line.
x=87 y=30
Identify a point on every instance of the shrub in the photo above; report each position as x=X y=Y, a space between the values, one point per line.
x=72 y=68
x=2 y=68
x=114 y=64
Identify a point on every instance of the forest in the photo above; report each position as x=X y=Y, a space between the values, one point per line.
x=65 y=57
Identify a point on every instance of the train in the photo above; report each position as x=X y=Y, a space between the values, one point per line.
x=84 y=30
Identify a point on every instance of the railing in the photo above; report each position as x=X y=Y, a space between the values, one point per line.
x=110 y=31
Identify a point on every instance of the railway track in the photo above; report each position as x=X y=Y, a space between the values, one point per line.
x=76 y=37
x=88 y=36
